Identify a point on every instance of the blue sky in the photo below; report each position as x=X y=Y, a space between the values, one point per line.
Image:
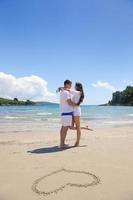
x=86 y=41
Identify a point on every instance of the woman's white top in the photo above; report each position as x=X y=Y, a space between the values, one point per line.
x=75 y=98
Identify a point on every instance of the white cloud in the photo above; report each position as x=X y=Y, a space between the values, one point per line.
x=102 y=84
x=28 y=87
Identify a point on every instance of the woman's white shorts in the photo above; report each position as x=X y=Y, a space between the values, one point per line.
x=77 y=111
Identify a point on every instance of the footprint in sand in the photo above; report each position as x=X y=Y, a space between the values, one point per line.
x=48 y=184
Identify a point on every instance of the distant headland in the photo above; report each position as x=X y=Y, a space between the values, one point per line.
x=121 y=98
x=15 y=101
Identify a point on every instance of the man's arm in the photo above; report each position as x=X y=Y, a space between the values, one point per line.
x=71 y=103
x=59 y=89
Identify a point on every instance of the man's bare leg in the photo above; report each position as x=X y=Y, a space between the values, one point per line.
x=63 y=133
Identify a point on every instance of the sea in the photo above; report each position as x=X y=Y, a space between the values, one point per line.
x=46 y=117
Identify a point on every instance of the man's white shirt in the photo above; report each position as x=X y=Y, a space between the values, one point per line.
x=64 y=106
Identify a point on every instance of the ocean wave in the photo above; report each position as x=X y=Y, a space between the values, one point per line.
x=14 y=117
x=95 y=118
x=130 y=115
x=41 y=119
x=38 y=120
x=119 y=122
x=11 y=117
x=44 y=113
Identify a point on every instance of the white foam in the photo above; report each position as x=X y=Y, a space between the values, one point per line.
x=119 y=122
x=44 y=113
x=130 y=115
x=11 y=117
x=37 y=119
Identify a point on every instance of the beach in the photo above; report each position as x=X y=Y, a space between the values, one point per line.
x=66 y=66
x=32 y=166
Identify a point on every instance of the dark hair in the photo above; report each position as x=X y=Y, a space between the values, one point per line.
x=67 y=82
x=79 y=87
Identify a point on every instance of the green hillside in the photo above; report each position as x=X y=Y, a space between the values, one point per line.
x=124 y=98
x=15 y=101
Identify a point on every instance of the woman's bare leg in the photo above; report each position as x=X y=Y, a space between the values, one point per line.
x=73 y=127
x=77 y=123
x=82 y=127
x=86 y=128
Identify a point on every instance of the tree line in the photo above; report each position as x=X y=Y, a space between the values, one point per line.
x=15 y=101
x=124 y=98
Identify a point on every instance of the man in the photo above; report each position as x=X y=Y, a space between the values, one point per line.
x=66 y=109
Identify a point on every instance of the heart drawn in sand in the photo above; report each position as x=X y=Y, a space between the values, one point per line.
x=72 y=178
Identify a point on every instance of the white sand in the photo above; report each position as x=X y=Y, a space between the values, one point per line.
x=105 y=153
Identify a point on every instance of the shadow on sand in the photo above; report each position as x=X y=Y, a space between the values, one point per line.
x=53 y=149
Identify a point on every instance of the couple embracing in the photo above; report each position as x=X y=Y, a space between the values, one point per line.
x=70 y=110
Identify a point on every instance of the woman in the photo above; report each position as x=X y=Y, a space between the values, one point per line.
x=77 y=98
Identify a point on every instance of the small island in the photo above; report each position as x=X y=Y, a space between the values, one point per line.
x=14 y=102
x=122 y=98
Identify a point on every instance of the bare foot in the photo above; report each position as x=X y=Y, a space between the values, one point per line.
x=64 y=146
x=76 y=144
x=90 y=129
